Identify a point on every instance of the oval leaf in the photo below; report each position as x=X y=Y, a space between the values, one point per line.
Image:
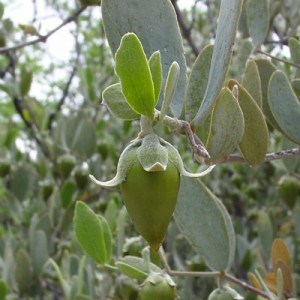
x=265 y=233
x=117 y=104
x=134 y=72
x=84 y=141
x=197 y=82
x=258 y=20
x=106 y=235
x=156 y=72
x=251 y=82
x=294 y=45
x=26 y=80
x=155 y=23
x=135 y=267
x=281 y=252
x=89 y=233
x=266 y=69
x=38 y=251
x=170 y=88
x=285 y=106
x=254 y=144
x=230 y=11
x=204 y=221
x=227 y=126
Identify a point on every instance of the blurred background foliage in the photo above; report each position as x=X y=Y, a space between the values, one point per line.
x=54 y=131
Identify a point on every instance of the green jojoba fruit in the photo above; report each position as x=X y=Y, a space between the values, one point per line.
x=154 y=194
x=47 y=188
x=66 y=164
x=158 y=287
x=4 y=167
x=81 y=175
x=225 y=293
x=148 y=173
x=289 y=189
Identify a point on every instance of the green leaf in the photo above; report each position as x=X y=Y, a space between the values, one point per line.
x=106 y=235
x=135 y=267
x=296 y=87
x=204 y=221
x=265 y=233
x=67 y=192
x=89 y=233
x=227 y=126
x=170 y=88
x=38 y=251
x=197 y=82
x=243 y=55
x=3 y=290
x=22 y=181
x=1 y=11
x=26 y=80
x=156 y=73
x=84 y=139
x=251 y=82
x=266 y=69
x=258 y=18
x=117 y=104
x=285 y=106
x=155 y=23
x=23 y=271
x=254 y=144
x=134 y=72
x=230 y=11
x=294 y=45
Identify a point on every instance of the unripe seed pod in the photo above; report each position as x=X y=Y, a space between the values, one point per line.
x=158 y=288
x=149 y=172
x=225 y=293
x=4 y=167
x=150 y=199
x=66 y=164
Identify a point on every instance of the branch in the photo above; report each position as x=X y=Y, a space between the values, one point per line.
x=44 y=38
x=245 y=285
x=279 y=59
x=186 y=32
x=269 y=157
x=198 y=148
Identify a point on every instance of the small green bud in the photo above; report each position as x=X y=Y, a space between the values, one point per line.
x=66 y=164
x=158 y=287
x=289 y=189
x=4 y=167
x=47 y=187
x=81 y=175
x=225 y=293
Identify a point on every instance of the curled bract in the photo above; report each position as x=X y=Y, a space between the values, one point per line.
x=148 y=173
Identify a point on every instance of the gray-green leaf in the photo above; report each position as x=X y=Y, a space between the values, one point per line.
x=227 y=126
x=117 y=104
x=251 y=82
x=285 y=106
x=258 y=16
x=254 y=144
x=204 y=221
x=227 y=27
x=90 y=234
x=155 y=23
x=197 y=82
x=156 y=72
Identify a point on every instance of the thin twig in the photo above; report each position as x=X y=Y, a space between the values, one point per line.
x=44 y=38
x=280 y=59
x=269 y=157
x=245 y=285
x=186 y=31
